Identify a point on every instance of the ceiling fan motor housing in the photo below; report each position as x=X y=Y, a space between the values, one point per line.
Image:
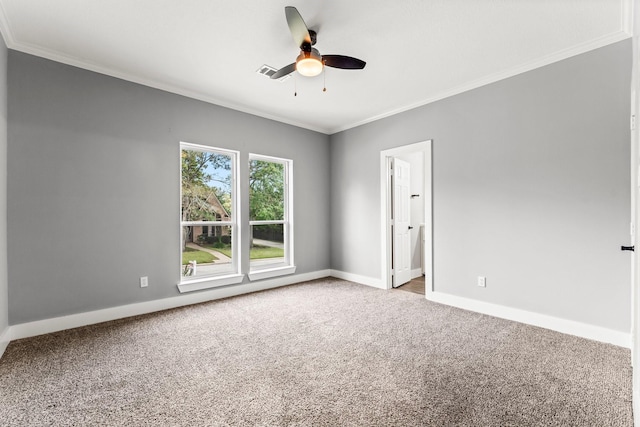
x=312 y=54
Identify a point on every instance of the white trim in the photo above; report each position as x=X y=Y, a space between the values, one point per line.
x=267 y=222
x=626 y=19
x=424 y=147
x=5 y=30
x=635 y=399
x=416 y=272
x=186 y=285
x=270 y=159
x=209 y=282
x=633 y=22
x=374 y=282
x=276 y=269
x=208 y=223
x=271 y=272
x=557 y=324
x=493 y=78
x=184 y=145
x=385 y=223
x=39 y=327
x=636 y=407
x=622 y=34
x=5 y=338
x=170 y=88
x=592 y=332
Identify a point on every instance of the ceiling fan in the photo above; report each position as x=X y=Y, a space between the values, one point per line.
x=310 y=63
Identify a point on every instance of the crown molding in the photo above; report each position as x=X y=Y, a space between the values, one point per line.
x=101 y=69
x=538 y=63
x=625 y=32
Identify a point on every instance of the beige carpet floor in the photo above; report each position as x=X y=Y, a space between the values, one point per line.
x=321 y=353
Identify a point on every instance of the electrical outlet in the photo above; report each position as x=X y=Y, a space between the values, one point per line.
x=482 y=281
x=144 y=281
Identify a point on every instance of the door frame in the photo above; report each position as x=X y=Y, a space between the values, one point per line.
x=635 y=212
x=425 y=147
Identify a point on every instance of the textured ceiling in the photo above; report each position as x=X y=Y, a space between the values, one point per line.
x=417 y=51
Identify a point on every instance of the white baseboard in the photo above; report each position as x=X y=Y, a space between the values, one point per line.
x=40 y=327
x=46 y=326
x=636 y=400
x=583 y=330
x=363 y=280
x=4 y=340
x=415 y=273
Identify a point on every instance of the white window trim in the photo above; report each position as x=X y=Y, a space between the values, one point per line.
x=288 y=266
x=206 y=282
x=267 y=273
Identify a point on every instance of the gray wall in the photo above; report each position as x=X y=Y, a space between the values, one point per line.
x=93 y=186
x=531 y=189
x=4 y=305
x=530 y=176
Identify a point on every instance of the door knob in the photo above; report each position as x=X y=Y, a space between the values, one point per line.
x=410 y=228
x=627 y=248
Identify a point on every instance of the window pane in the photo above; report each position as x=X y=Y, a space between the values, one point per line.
x=267 y=244
x=206 y=251
x=266 y=191
x=207 y=183
x=206 y=186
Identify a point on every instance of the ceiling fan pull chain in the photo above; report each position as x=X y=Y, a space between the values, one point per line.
x=324 y=76
x=295 y=86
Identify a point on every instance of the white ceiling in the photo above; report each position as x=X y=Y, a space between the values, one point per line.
x=417 y=51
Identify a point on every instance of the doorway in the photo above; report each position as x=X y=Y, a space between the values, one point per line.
x=406 y=212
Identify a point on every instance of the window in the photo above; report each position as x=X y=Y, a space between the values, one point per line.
x=209 y=231
x=270 y=217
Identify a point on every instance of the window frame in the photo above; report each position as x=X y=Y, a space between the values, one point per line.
x=228 y=278
x=288 y=265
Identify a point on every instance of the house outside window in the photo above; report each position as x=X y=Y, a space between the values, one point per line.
x=209 y=230
x=270 y=217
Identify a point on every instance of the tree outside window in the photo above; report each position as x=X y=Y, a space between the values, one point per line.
x=268 y=211
x=207 y=212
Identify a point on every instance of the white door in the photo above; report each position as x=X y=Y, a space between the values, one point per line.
x=401 y=223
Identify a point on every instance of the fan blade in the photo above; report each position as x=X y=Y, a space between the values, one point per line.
x=284 y=71
x=298 y=28
x=344 y=62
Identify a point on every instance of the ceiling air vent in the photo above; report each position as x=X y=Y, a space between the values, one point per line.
x=268 y=71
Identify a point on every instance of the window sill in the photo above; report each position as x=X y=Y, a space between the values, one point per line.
x=271 y=272
x=209 y=282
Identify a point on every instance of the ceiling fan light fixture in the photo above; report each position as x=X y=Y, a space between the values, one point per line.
x=309 y=64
